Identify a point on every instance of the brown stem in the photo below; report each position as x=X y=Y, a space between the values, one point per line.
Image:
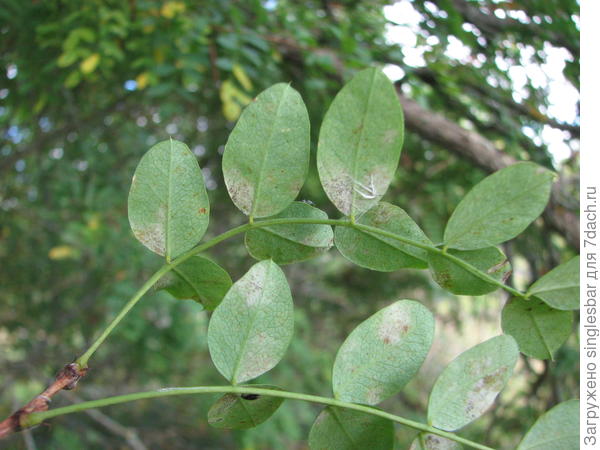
x=66 y=379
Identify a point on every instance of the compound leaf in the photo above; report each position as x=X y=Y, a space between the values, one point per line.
x=285 y=244
x=538 y=329
x=382 y=253
x=198 y=279
x=360 y=142
x=499 y=207
x=346 y=429
x=559 y=288
x=266 y=157
x=470 y=383
x=251 y=329
x=240 y=412
x=557 y=429
x=457 y=280
x=168 y=206
x=383 y=353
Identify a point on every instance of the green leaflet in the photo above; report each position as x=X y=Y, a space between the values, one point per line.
x=378 y=252
x=240 y=412
x=538 y=329
x=251 y=329
x=560 y=287
x=426 y=441
x=266 y=157
x=198 y=279
x=499 y=207
x=168 y=206
x=470 y=383
x=557 y=429
x=360 y=142
x=285 y=244
x=383 y=353
x=457 y=280
x=346 y=429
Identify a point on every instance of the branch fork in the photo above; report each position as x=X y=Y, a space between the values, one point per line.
x=66 y=379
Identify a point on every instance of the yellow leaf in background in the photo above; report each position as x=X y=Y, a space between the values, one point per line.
x=231 y=110
x=241 y=76
x=93 y=222
x=233 y=99
x=73 y=79
x=171 y=9
x=62 y=252
x=89 y=64
x=159 y=55
x=142 y=80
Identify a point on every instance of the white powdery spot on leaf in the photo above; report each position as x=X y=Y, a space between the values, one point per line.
x=394 y=325
x=483 y=393
x=241 y=190
x=154 y=235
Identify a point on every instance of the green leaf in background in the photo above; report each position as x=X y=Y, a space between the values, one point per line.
x=380 y=253
x=557 y=429
x=560 y=287
x=285 y=244
x=251 y=329
x=360 y=142
x=383 y=353
x=467 y=387
x=346 y=429
x=266 y=157
x=240 y=412
x=168 y=205
x=427 y=441
x=538 y=329
x=457 y=280
x=198 y=279
x=499 y=207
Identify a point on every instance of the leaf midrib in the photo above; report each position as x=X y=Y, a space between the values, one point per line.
x=267 y=152
x=356 y=148
x=250 y=326
x=168 y=213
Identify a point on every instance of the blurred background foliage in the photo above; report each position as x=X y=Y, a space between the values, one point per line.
x=87 y=87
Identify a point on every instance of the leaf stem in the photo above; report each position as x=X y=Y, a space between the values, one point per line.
x=38 y=417
x=83 y=359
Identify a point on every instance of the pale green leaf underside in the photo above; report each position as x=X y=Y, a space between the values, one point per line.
x=360 y=142
x=426 y=441
x=168 y=206
x=378 y=252
x=285 y=244
x=251 y=329
x=467 y=387
x=559 y=288
x=457 y=280
x=345 y=429
x=500 y=207
x=239 y=412
x=383 y=353
x=557 y=429
x=266 y=157
x=197 y=279
x=538 y=329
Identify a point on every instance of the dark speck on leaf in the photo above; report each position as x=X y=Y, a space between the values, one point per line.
x=250 y=396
